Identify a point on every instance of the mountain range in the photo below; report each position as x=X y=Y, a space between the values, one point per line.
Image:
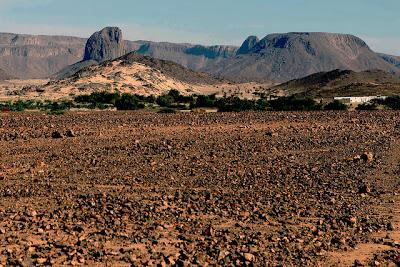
x=276 y=57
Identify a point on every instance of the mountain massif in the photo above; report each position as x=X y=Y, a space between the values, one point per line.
x=276 y=57
x=282 y=57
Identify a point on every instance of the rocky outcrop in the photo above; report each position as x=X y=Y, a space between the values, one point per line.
x=248 y=45
x=104 y=45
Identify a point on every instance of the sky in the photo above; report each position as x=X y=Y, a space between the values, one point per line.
x=207 y=21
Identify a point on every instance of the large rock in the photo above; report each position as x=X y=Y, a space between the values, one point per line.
x=104 y=45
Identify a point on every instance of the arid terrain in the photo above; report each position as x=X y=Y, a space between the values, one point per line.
x=257 y=189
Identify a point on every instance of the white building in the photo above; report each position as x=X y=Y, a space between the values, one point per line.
x=358 y=99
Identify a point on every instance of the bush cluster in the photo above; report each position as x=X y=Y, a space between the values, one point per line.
x=392 y=102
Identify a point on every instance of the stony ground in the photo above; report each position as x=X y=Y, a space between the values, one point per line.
x=262 y=189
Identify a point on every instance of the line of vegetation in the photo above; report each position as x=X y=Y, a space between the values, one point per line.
x=173 y=101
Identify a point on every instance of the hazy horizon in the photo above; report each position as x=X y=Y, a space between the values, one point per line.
x=209 y=23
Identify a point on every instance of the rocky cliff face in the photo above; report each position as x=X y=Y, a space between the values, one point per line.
x=104 y=45
x=248 y=45
x=4 y=75
x=28 y=56
x=195 y=57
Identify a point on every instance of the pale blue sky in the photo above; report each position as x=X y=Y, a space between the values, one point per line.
x=207 y=21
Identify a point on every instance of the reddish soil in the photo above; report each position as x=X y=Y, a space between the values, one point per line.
x=262 y=189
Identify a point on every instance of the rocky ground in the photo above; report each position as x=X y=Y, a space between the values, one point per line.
x=262 y=189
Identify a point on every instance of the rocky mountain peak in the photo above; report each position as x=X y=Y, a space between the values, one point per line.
x=248 y=45
x=104 y=45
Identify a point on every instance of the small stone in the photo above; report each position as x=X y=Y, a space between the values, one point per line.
x=41 y=260
x=358 y=263
x=209 y=231
x=70 y=133
x=57 y=135
x=249 y=257
x=353 y=220
x=367 y=156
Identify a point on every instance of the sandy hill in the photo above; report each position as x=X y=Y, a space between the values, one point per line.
x=134 y=73
x=342 y=83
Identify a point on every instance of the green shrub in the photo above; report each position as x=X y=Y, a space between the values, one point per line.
x=178 y=98
x=204 y=101
x=367 y=106
x=235 y=104
x=336 y=105
x=293 y=104
x=98 y=98
x=128 y=102
x=165 y=100
x=392 y=102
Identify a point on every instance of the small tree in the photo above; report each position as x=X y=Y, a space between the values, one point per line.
x=165 y=100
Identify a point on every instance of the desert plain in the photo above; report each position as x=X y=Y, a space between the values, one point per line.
x=106 y=188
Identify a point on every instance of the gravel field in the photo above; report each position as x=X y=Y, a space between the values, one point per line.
x=234 y=189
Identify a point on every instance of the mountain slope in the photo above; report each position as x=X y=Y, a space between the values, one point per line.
x=342 y=83
x=394 y=60
x=4 y=75
x=29 y=56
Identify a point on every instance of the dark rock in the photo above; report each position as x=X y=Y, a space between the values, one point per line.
x=367 y=156
x=104 y=45
x=57 y=135
x=70 y=133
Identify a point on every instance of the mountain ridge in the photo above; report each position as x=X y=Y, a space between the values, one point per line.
x=276 y=57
